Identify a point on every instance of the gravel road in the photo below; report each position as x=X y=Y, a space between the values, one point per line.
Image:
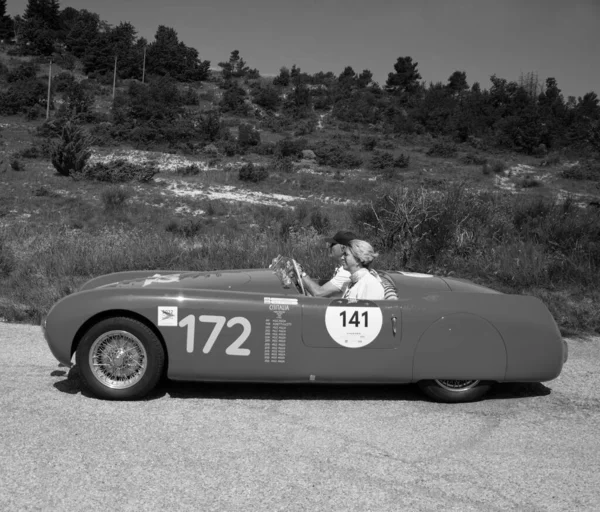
x=226 y=447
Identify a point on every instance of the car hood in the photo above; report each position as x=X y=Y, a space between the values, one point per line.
x=228 y=280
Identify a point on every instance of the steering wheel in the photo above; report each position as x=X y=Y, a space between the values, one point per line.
x=298 y=278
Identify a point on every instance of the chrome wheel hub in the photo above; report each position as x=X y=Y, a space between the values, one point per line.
x=118 y=359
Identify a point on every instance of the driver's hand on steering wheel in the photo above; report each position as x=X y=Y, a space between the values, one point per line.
x=301 y=272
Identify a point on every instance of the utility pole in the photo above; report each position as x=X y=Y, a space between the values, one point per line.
x=114 y=78
x=144 y=66
x=49 y=86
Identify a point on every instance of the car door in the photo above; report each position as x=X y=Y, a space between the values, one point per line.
x=235 y=336
x=356 y=340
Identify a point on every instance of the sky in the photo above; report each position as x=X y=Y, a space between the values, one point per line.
x=508 y=38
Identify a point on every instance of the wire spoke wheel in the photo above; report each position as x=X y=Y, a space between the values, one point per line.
x=457 y=385
x=454 y=390
x=118 y=359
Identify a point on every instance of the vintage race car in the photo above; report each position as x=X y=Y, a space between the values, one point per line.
x=451 y=336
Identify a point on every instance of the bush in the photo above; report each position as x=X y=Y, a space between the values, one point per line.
x=381 y=160
x=580 y=172
x=530 y=182
x=252 y=173
x=369 y=143
x=319 y=221
x=22 y=95
x=472 y=158
x=495 y=166
x=188 y=170
x=187 y=228
x=402 y=162
x=289 y=147
x=114 y=198
x=248 y=135
x=336 y=156
x=62 y=82
x=72 y=152
x=24 y=71
x=117 y=171
x=442 y=149
x=16 y=164
x=284 y=164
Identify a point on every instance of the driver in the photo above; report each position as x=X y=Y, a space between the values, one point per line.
x=340 y=281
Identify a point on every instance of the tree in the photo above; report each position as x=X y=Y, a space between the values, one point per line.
x=7 y=31
x=457 y=83
x=166 y=55
x=283 y=79
x=236 y=67
x=364 y=79
x=82 y=30
x=116 y=42
x=405 y=80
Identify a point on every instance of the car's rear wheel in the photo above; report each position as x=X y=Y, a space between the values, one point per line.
x=454 y=391
x=120 y=359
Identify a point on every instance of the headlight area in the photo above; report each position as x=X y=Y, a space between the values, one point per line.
x=565 y=351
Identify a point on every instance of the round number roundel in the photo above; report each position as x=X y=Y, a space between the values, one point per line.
x=353 y=323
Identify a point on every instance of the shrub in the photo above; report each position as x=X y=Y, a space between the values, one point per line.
x=580 y=172
x=114 y=198
x=30 y=152
x=336 y=156
x=495 y=166
x=381 y=160
x=442 y=149
x=252 y=173
x=248 y=135
x=216 y=207
x=188 y=170
x=550 y=160
x=24 y=71
x=16 y=164
x=71 y=153
x=529 y=182
x=187 y=227
x=472 y=158
x=319 y=221
x=8 y=262
x=402 y=162
x=21 y=95
x=264 y=148
x=117 y=171
x=386 y=144
x=284 y=164
x=289 y=147
x=369 y=143
x=62 y=82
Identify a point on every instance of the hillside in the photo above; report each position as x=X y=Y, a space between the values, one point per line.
x=198 y=183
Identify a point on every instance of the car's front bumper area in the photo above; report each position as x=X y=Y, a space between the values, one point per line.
x=58 y=355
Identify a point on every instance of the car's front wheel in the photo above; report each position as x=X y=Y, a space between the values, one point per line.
x=120 y=359
x=454 y=391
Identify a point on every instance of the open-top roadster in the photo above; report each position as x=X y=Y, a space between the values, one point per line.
x=451 y=336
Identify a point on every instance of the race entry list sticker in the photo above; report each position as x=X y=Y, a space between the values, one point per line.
x=353 y=323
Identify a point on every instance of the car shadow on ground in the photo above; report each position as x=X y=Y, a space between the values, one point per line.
x=71 y=384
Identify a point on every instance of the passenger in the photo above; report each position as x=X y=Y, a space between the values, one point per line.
x=357 y=257
x=341 y=278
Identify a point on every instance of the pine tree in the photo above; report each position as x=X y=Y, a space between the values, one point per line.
x=406 y=78
x=7 y=31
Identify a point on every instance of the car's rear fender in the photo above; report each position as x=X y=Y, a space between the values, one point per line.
x=460 y=346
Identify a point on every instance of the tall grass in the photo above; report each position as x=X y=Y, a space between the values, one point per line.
x=543 y=247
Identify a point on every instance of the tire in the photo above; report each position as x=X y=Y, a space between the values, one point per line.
x=120 y=359
x=454 y=391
